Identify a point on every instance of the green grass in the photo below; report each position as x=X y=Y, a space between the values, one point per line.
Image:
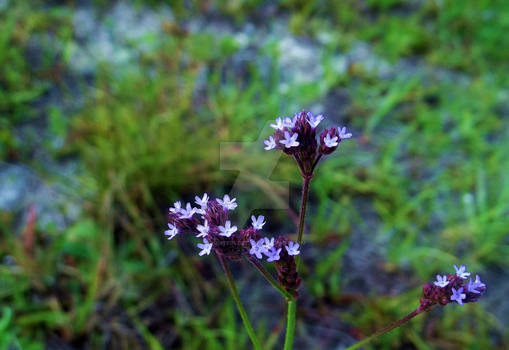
x=426 y=177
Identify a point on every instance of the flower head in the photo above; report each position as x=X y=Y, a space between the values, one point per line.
x=227 y=203
x=290 y=140
x=172 y=232
x=257 y=223
x=476 y=286
x=292 y=248
x=270 y=143
x=461 y=271
x=203 y=229
x=441 y=281
x=458 y=295
x=205 y=247
x=227 y=230
x=256 y=248
x=188 y=212
x=267 y=243
x=330 y=141
x=289 y=122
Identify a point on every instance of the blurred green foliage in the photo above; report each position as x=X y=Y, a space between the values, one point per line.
x=426 y=179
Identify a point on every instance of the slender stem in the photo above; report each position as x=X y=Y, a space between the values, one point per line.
x=242 y=311
x=303 y=206
x=386 y=329
x=290 y=324
x=269 y=278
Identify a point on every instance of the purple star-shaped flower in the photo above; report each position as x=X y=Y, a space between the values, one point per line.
x=177 y=206
x=343 y=134
x=314 y=121
x=258 y=222
x=256 y=248
x=279 y=124
x=202 y=202
x=473 y=287
x=203 y=229
x=273 y=254
x=227 y=203
x=188 y=212
x=458 y=295
x=290 y=141
x=227 y=230
x=292 y=248
x=269 y=144
x=205 y=247
x=330 y=141
x=441 y=281
x=289 y=122
x=172 y=232
x=461 y=271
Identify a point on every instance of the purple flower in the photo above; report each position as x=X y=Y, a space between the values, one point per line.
x=227 y=230
x=343 y=134
x=330 y=141
x=205 y=247
x=273 y=254
x=267 y=243
x=292 y=248
x=203 y=229
x=473 y=286
x=202 y=202
x=461 y=271
x=177 y=206
x=227 y=203
x=279 y=124
x=314 y=121
x=441 y=281
x=188 y=212
x=458 y=295
x=258 y=222
x=256 y=248
x=270 y=144
x=172 y=232
x=289 y=122
x=290 y=141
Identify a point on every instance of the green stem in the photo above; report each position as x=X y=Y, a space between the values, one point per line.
x=290 y=324
x=303 y=206
x=242 y=311
x=269 y=278
x=386 y=329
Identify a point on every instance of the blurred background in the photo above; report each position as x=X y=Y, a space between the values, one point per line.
x=112 y=110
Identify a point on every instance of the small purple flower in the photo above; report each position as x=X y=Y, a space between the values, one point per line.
x=258 y=222
x=473 y=287
x=227 y=230
x=172 y=232
x=290 y=141
x=273 y=254
x=314 y=121
x=205 y=247
x=270 y=144
x=461 y=271
x=292 y=248
x=343 y=134
x=330 y=141
x=458 y=295
x=177 y=206
x=267 y=243
x=227 y=203
x=289 y=122
x=188 y=212
x=202 y=202
x=279 y=124
x=441 y=281
x=203 y=229
x=256 y=248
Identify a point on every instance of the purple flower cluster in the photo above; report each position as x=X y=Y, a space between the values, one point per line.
x=297 y=137
x=452 y=288
x=209 y=220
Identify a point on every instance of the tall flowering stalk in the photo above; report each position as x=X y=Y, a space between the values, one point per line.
x=209 y=220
